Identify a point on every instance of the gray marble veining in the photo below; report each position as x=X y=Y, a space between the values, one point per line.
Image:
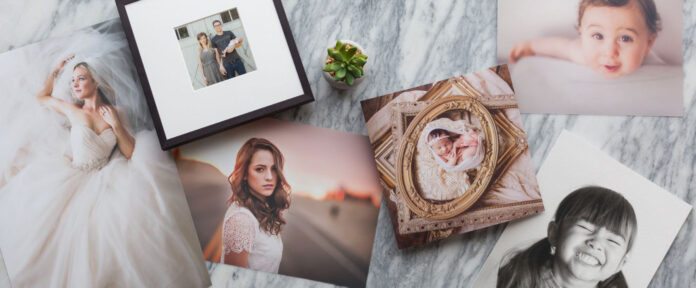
x=411 y=43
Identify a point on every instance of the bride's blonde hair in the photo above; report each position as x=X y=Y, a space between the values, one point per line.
x=102 y=89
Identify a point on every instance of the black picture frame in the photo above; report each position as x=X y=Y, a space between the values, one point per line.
x=169 y=143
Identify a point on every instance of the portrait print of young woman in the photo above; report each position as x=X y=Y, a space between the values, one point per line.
x=254 y=220
x=87 y=198
x=275 y=196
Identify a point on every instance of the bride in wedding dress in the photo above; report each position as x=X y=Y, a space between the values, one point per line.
x=87 y=198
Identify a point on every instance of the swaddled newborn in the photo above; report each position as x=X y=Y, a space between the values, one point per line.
x=453 y=148
x=447 y=149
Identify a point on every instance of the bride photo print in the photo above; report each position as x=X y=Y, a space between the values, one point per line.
x=87 y=199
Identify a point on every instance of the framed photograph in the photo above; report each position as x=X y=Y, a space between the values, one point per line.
x=606 y=226
x=452 y=156
x=209 y=65
x=594 y=57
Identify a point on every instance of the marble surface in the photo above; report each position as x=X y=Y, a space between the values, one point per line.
x=413 y=43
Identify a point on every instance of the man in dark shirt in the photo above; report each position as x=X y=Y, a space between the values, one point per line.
x=230 y=58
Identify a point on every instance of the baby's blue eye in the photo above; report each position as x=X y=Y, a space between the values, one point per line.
x=597 y=36
x=626 y=39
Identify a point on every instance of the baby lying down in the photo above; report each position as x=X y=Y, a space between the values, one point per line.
x=449 y=154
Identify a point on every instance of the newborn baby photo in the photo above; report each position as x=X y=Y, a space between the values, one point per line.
x=456 y=150
x=450 y=151
x=452 y=156
x=612 y=57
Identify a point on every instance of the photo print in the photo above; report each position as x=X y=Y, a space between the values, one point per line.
x=452 y=156
x=87 y=199
x=215 y=49
x=284 y=198
x=605 y=226
x=619 y=57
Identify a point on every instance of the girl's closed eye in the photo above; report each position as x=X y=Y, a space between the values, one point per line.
x=616 y=240
x=584 y=225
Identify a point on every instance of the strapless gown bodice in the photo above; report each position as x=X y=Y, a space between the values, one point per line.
x=91 y=150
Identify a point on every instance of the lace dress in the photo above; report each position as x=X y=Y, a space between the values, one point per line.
x=99 y=219
x=241 y=232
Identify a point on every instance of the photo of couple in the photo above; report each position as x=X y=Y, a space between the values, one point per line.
x=215 y=48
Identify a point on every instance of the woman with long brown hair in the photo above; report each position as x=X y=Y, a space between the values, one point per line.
x=209 y=61
x=254 y=220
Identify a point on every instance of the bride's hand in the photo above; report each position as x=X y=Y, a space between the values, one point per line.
x=62 y=64
x=109 y=115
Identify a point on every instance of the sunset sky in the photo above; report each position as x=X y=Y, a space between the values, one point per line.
x=317 y=160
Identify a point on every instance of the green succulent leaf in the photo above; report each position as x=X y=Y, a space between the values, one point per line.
x=361 y=56
x=333 y=67
x=343 y=53
x=335 y=54
x=358 y=61
x=349 y=79
x=351 y=52
x=338 y=45
x=340 y=74
x=354 y=71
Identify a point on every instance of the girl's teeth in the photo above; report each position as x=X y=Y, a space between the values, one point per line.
x=588 y=259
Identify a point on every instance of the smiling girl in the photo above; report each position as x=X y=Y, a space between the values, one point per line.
x=588 y=243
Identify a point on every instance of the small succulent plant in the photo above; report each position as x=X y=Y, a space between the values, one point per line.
x=345 y=63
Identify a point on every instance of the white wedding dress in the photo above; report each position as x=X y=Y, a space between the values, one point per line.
x=241 y=232
x=99 y=219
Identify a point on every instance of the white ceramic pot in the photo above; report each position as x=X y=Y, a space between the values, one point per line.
x=340 y=84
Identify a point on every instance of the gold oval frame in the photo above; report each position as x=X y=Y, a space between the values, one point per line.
x=404 y=165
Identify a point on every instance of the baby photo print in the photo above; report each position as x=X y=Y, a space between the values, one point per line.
x=452 y=156
x=609 y=57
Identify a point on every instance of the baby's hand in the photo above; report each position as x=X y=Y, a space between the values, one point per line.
x=521 y=49
x=451 y=157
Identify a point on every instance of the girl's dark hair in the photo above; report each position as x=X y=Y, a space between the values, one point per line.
x=647 y=7
x=598 y=205
x=100 y=92
x=268 y=212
